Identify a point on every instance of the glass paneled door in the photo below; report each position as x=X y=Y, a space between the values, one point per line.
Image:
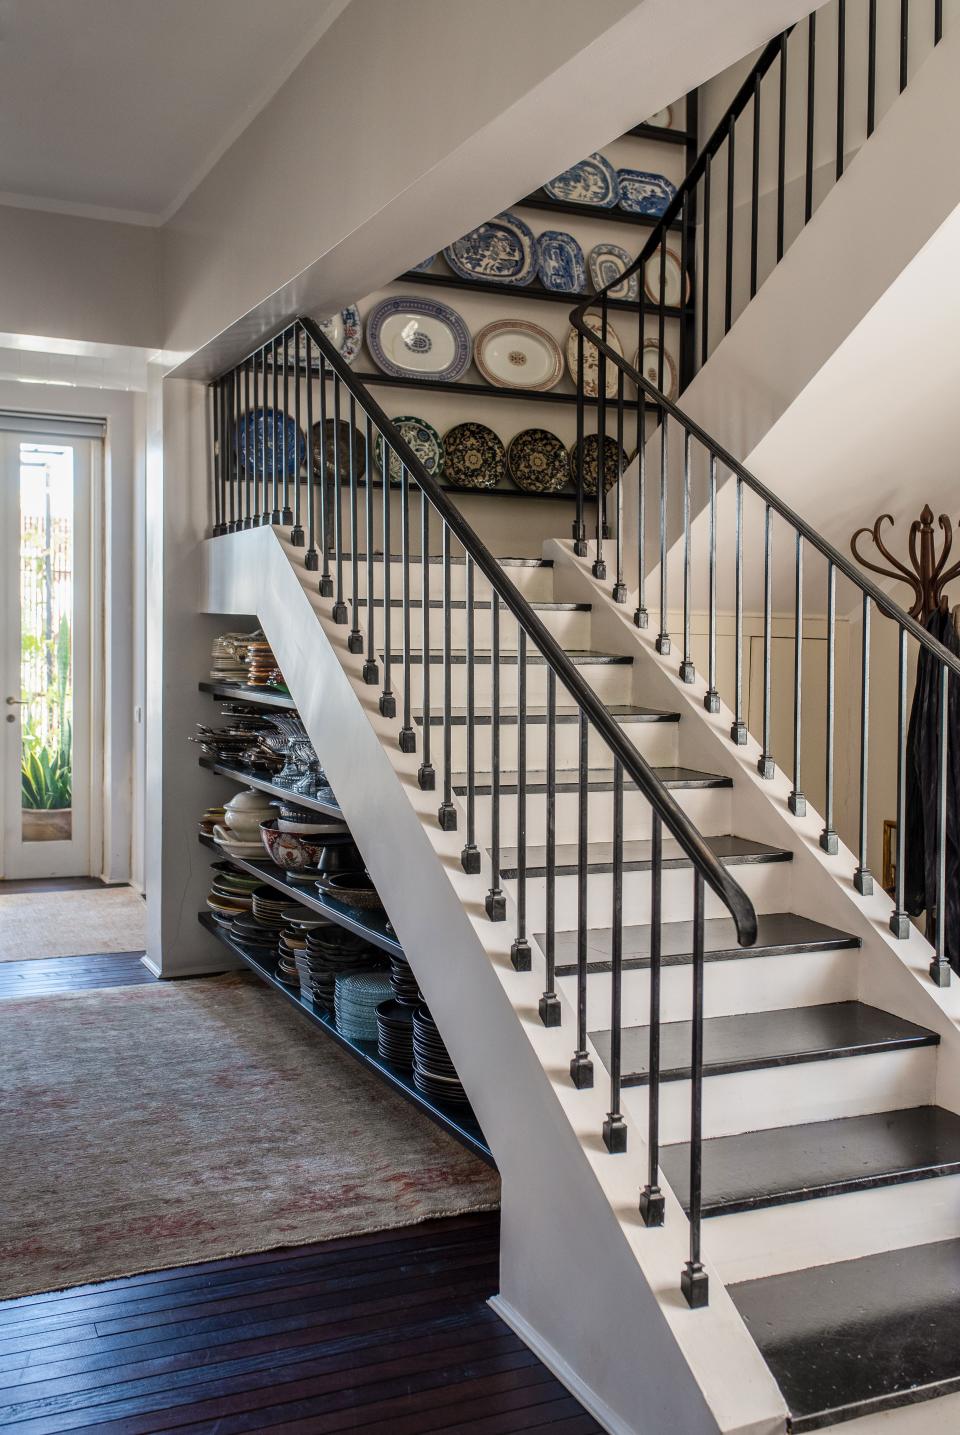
x=45 y=687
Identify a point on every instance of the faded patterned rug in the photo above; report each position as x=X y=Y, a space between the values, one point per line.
x=74 y=923
x=153 y=1126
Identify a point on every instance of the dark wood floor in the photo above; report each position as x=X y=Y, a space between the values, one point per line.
x=45 y=976
x=385 y=1333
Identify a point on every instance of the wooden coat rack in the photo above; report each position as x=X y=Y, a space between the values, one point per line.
x=927 y=578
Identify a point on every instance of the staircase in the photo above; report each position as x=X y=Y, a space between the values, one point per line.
x=716 y=1063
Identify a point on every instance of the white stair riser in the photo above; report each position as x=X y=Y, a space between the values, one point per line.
x=767 y=884
x=571 y=629
x=612 y=682
x=788 y=1095
x=658 y=742
x=709 y=808
x=536 y=584
x=742 y=984
x=752 y=1244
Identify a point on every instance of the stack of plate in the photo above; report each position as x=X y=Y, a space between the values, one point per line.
x=433 y=1072
x=228 y=658
x=261 y=664
x=213 y=817
x=260 y=940
x=292 y=943
x=395 y=1032
x=356 y=998
x=329 y=952
x=272 y=908
x=404 y=983
x=230 y=893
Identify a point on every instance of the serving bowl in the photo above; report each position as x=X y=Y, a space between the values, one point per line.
x=290 y=849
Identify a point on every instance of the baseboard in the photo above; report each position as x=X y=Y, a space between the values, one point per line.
x=198 y=971
x=557 y=1366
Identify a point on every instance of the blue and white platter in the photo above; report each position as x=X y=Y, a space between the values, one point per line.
x=560 y=262
x=502 y=251
x=642 y=192
x=592 y=181
x=607 y=262
x=255 y=456
x=409 y=336
x=424 y=264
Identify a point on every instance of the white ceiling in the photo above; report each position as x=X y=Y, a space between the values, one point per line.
x=118 y=108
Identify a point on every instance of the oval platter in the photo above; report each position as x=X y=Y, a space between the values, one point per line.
x=560 y=263
x=422 y=438
x=256 y=456
x=662 y=120
x=518 y=354
x=538 y=461
x=606 y=262
x=502 y=251
x=643 y=192
x=649 y=365
x=591 y=357
x=473 y=456
x=673 y=285
x=409 y=335
x=593 y=181
x=591 y=462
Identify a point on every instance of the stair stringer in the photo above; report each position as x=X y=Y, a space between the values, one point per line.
x=892 y=974
x=582 y=1280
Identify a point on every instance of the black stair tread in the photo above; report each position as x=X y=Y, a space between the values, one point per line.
x=820 y=1158
x=753 y=1040
x=732 y=851
x=483 y=605
x=457 y=560
x=778 y=933
x=599 y=779
x=857 y=1337
x=580 y=657
x=620 y=712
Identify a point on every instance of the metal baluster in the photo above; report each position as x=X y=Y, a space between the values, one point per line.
x=520 y=954
x=687 y=670
x=310 y=556
x=496 y=902
x=329 y=474
x=447 y=815
x=407 y=737
x=282 y=436
x=355 y=638
x=581 y=1067
x=684 y=358
x=841 y=75
x=899 y=920
x=694 y=1282
x=937 y=21
x=286 y=517
x=371 y=669
x=259 y=445
x=233 y=464
x=731 y=176
x=796 y=802
x=614 y=1128
x=661 y=316
x=426 y=776
x=811 y=100
x=782 y=144
x=738 y=728
x=711 y=698
x=388 y=702
x=216 y=400
x=765 y=764
x=828 y=837
x=249 y=442
x=862 y=878
x=549 y=1006
x=470 y=855
x=904 y=41
x=662 y=644
x=599 y=568
x=755 y=189
x=871 y=67
x=297 y=537
x=940 y=968
x=579 y=526
x=619 y=594
x=705 y=283
x=641 y=616
x=269 y=431
x=651 y=1197
x=339 y=614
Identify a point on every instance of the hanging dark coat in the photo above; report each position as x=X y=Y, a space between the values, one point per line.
x=923 y=790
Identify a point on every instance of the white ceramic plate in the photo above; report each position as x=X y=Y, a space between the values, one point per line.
x=591 y=357
x=516 y=354
x=649 y=365
x=673 y=284
x=663 y=119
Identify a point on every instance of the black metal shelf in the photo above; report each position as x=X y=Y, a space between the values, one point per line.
x=326 y=805
x=488 y=391
x=664 y=136
x=256 y=697
x=539 y=200
x=526 y=291
x=372 y=926
x=459 y=1121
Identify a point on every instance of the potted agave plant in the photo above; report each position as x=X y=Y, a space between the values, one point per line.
x=46 y=763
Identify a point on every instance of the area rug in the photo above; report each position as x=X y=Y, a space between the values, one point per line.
x=153 y=1126
x=71 y=924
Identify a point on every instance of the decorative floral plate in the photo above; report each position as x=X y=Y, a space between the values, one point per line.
x=613 y=455
x=502 y=251
x=592 y=181
x=517 y=354
x=255 y=456
x=560 y=262
x=538 y=462
x=473 y=456
x=591 y=357
x=408 y=335
x=359 y=449
x=673 y=285
x=649 y=365
x=606 y=262
x=344 y=331
x=642 y=192
x=422 y=438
